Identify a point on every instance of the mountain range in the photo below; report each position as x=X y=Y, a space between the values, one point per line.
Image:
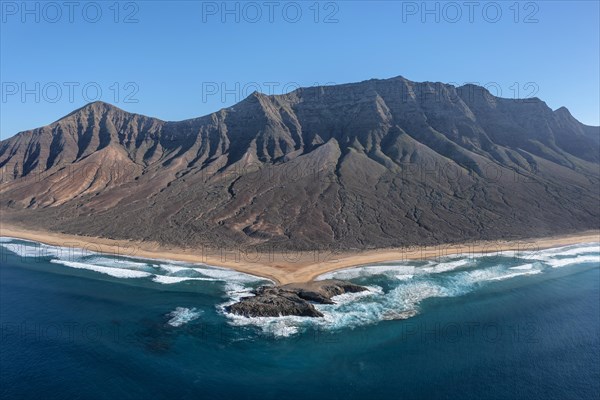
x=374 y=164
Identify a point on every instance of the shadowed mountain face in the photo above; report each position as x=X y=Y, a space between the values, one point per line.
x=373 y=164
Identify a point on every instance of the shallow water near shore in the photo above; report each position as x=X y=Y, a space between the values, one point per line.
x=85 y=325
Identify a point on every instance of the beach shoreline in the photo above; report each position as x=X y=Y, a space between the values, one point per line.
x=289 y=267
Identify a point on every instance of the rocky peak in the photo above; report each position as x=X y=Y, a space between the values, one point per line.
x=355 y=164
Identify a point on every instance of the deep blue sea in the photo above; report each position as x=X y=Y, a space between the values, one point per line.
x=80 y=325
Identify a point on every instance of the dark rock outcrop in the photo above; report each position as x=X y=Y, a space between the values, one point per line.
x=292 y=299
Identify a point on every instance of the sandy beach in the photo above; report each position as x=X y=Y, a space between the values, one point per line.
x=288 y=267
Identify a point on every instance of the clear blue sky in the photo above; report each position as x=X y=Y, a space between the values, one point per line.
x=179 y=56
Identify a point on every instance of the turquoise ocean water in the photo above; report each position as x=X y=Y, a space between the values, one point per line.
x=82 y=325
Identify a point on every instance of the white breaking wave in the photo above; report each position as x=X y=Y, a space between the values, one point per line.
x=351 y=310
x=447 y=266
x=116 y=272
x=568 y=250
x=366 y=271
x=522 y=267
x=408 y=284
x=228 y=275
x=411 y=286
x=509 y=276
x=495 y=274
x=182 y=315
x=569 y=255
x=117 y=262
x=163 y=272
x=168 y=280
x=400 y=272
x=29 y=249
x=275 y=326
x=172 y=269
x=351 y=297
x=235 y=291
x=562 y=262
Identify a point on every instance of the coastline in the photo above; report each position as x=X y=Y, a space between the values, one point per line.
x=291 y=267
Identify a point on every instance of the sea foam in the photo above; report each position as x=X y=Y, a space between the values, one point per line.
x=161 y=271
x=407 y=284
x=115 y=272
x=182 y=315
x=412 y=283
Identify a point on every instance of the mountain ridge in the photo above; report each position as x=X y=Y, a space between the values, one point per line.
x=399 y=77
x=358 y=165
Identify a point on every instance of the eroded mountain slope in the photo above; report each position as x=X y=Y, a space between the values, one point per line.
x=374 y=164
